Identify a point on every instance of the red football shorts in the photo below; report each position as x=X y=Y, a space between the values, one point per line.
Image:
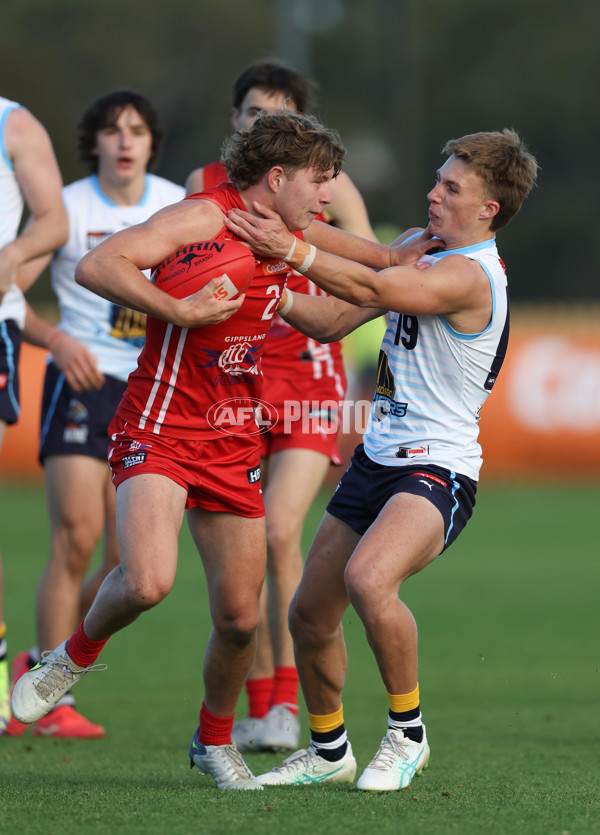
x=220 y=474
x=308 y=414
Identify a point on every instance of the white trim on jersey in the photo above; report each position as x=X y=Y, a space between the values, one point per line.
x=162 y=364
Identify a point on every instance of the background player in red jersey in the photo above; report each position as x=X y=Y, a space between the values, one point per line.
x=305 y=382
x=165 y=456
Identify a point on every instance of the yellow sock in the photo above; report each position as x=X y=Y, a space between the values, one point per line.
x=402 y=703
x=322 y=724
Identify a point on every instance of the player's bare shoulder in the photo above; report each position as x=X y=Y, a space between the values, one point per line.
x=189 y=220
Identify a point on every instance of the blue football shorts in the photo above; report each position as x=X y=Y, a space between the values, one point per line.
x=76 y=422
x=366 y=487
x=10 y=348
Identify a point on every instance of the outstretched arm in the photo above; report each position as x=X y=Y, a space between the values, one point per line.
x=363 y=277
x=323 y=318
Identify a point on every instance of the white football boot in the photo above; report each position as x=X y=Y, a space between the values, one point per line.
x=306 y=766
x=245 y=734
x=41 y=688
x=395 y=763
x=279 y=730
x=224 y=763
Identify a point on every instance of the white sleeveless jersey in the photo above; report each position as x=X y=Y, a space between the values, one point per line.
x=11 y=210
x=432 y=381
x=112 y=333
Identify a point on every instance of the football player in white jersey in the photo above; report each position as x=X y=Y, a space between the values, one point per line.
x=93 y=350
x=410 y=489
x=29 y=175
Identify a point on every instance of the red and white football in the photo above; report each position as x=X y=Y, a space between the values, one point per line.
x=192 y=266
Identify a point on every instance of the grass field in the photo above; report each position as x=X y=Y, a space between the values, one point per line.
x=510 y=685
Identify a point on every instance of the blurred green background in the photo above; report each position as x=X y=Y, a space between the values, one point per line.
x=397 y=78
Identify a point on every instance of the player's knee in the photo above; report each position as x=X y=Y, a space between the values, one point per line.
x=143 y=593
x=238 y=630
x=76 y=545
x=304 y=628
x=362 y=585
x=281 y=537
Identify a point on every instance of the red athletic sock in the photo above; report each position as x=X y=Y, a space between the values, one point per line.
x=285 y=689
x=259 y=692
x=214 y=730
x=82 y=650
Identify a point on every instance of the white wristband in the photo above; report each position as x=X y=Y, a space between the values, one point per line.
x=292 y=250
x=288 y=303
x=307 y=263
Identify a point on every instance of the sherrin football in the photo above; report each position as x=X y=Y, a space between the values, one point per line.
x=192 y=266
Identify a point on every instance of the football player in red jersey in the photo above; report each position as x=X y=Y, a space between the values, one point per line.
x=304 y=381
x=165 y=455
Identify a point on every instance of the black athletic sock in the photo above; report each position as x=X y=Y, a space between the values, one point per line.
x=409 y=722
x=331 y=745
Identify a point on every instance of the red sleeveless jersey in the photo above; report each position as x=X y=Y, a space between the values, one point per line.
x=183 y=372
x=323 y=360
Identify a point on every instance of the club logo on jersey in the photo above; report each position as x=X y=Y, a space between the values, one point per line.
x=384 y=403
x=242 y=415
x=239 y=358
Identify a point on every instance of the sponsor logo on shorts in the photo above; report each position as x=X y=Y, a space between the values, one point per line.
x=431 y=478
x=242 y=416
x=253 y=475
x=76 y=412
x=136 y=446
x=75 y=434
x=132 y=460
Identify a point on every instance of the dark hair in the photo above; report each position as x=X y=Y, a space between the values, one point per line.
x=504 y=164
x=274 y=77
x=104 y=113
x=291 y=140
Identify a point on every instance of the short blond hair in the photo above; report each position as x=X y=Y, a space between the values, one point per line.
x=507 y=168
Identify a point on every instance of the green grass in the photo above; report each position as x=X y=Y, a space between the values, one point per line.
x=509 y=679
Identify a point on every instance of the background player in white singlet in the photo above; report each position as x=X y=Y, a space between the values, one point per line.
x=296 y=371
x=29 y=176
x=93 y=350
x=408 y=493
